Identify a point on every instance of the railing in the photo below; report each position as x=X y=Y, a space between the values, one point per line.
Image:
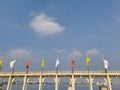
x=60 y=73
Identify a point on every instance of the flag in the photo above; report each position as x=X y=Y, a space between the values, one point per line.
x=12 y=63
x=28 y=63
x=87 y=61
x=42 y=63
x=105 y=62
x=57 y=63
x=1 y=61
x=73 y=63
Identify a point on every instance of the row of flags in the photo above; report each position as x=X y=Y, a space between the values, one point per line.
x=88 y=59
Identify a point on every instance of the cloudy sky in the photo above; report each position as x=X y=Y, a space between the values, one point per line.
x=69 y=28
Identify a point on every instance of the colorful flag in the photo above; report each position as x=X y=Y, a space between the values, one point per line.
x=57 y=63
x=28 y=63
x=12 y=63
x=42 y=63
x=73 y=63
x=87 y=61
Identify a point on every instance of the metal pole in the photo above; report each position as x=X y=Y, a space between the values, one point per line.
x=90 y=83
x=73 y=82
x=56 y=82
x=25 y=83
x=109 y=83
x=9 y=83
x=40 y=82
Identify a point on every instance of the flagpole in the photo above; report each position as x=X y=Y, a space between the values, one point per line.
x=3 y=58
x=14 y=65
x=43 y=62
x=42 y=70
x=29 y=63
x=104 y=62
x=13 y=70
x=88 y=69
x=0 y=68
x=87 y=62
x=73 y=64
x=27 y=70
x=56 y=59
x=105 y=70
x=57 y=70
x=72 y=70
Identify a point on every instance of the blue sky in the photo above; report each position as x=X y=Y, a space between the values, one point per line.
x=76 y=27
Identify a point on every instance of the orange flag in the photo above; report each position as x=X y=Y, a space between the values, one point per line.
x=28 y=63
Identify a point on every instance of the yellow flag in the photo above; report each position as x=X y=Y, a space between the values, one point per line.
x=43 y=63
x=1 y=62
x=87 y=61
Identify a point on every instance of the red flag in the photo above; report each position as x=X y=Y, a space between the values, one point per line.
x=73 y=63
x=28 y=63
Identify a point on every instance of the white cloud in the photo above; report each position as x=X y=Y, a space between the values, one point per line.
x=44 y=25
x=75 y=53
x=20 y=53
x=59 y=50
x=93 y=51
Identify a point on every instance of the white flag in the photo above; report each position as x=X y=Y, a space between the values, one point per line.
x=105 y=64
x=57 y=63
x=12 y=63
